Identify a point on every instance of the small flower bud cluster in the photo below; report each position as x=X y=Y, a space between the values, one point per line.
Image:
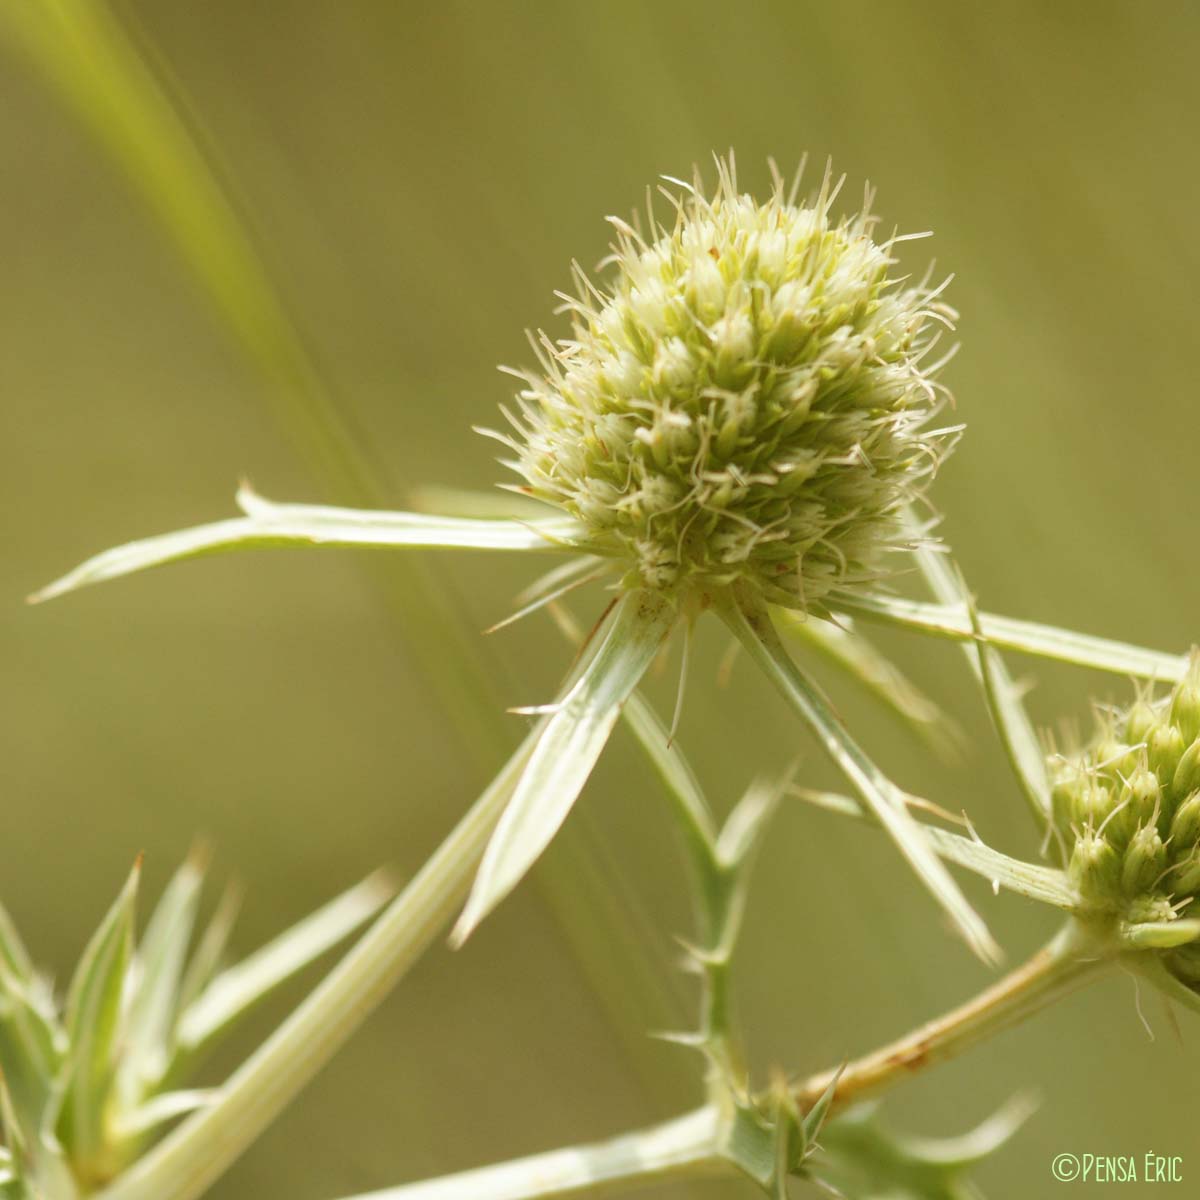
x=1128 y=809
x=746 y=402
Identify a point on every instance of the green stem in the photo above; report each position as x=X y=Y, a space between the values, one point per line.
x=1069 y=959
x=697 y=1144
x=687 y=1147
x=185 y=1163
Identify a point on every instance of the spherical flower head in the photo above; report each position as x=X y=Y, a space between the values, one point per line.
x=745 y=401
x=1127 y=809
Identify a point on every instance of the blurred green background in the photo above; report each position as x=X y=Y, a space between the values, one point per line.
x=417 y=179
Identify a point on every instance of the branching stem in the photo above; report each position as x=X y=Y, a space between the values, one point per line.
x=1070 y=958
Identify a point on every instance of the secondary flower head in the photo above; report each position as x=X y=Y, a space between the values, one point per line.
x=746 y=400
x=1128 y=810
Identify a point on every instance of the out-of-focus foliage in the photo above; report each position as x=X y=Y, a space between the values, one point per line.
x=89 y=1080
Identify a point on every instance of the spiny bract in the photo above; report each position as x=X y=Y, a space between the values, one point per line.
x=1128 y=810
x=747 y=402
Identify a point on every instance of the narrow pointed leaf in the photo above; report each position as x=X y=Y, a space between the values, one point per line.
x=93 y=1019
x=679 y=780
x=239 y=988
x=160 y=1109
x=1152 y=968
x=266 y=524
x=970 y=1148
x=209 y=953
x=580 y=570
x=1000 y=691
x=1032 y=880
x=688 y=1147
x=693 y=814
x=466 y=502
x=1161 y=935
x=161 y=958
x=740 y=838
x=742 y=833
x=567 y=751
x=815 y=1118
x=851 y=652
x=948 y=620
x=673 y=769
x=1012 y=723
x=760 y=638
x=379 y=527
x=867 y=1161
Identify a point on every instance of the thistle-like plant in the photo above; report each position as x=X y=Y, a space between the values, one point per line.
x=89 y=1080
x=740 y=418
x=738 y=421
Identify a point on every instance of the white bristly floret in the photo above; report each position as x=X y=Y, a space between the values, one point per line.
x=746 y=402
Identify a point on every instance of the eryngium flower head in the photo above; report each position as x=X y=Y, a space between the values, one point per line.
x=746 y=401
x=1128 y=810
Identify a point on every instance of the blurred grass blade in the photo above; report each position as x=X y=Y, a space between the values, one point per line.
x=1032 y=880
x=236 y=990
x=268 y=524
x=93 y=1019
x=851 y=652
x=161 y=958
x=949 y=620
x=567 y=751
x=759 y=636
x=83 y=50
x=688 y=1147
